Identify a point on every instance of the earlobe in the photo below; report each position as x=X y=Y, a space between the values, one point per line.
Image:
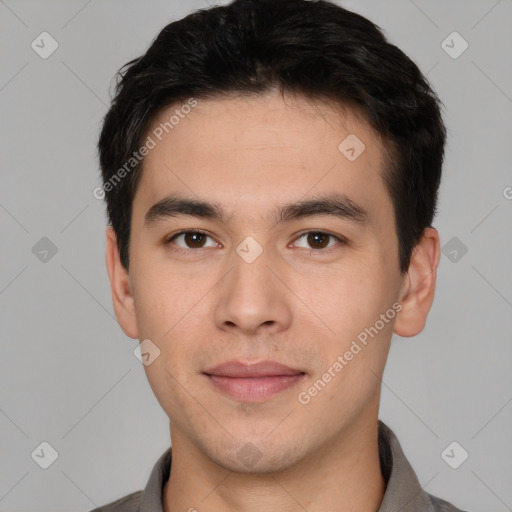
x=418 y=288
x=122 y=297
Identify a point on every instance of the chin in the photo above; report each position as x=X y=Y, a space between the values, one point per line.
x=257 y=456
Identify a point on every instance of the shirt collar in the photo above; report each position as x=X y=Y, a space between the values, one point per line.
x=403 y=490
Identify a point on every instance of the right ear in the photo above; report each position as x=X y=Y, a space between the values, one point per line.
x=122 y=297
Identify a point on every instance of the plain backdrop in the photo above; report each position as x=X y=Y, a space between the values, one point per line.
x=68 y=374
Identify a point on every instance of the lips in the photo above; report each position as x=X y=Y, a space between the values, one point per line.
x=261 y=369
x=253 y=382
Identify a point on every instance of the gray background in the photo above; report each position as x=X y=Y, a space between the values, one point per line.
x=68 y=375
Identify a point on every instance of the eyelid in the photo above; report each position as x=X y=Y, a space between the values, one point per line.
x=339 y=238
x=170 y=238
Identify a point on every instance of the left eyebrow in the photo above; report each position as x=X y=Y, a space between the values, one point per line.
x=336 y=205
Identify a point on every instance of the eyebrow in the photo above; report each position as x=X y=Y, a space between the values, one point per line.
x=335 y=205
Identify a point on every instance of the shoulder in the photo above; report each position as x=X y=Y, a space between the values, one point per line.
x=439 y=505
x=129 y=503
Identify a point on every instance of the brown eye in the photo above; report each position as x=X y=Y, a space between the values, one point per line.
x=194 y=240
x=319 y=240
x=190 y=240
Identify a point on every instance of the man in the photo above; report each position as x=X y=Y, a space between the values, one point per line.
x=271 y=171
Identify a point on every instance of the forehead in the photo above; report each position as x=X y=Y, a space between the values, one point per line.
x=241 y=121
x=247 y=151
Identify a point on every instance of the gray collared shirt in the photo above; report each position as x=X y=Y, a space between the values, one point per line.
x=403 y=490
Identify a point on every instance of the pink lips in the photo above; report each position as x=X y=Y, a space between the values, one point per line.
x=253 y=382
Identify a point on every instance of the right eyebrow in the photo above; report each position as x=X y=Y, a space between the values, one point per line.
x=172 y=206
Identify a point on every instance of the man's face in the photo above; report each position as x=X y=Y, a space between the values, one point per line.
x=256 y=287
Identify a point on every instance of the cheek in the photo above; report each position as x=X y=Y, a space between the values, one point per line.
x=162 y=298
x=347 y=298
x=358 y=311
x=170 y=307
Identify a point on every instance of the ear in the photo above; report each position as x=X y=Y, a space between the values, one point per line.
x=122 y=298
x=417 y=291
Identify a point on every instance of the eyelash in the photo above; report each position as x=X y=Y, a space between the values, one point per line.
x=338 y=238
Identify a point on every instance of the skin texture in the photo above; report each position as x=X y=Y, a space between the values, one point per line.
x=297 y=303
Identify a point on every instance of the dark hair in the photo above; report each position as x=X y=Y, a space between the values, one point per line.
x=314 y=48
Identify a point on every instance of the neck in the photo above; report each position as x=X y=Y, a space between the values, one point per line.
x=343 y=475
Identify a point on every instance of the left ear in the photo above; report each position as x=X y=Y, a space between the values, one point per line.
x=417 y=291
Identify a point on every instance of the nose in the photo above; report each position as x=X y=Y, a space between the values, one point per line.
x=253 y=298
